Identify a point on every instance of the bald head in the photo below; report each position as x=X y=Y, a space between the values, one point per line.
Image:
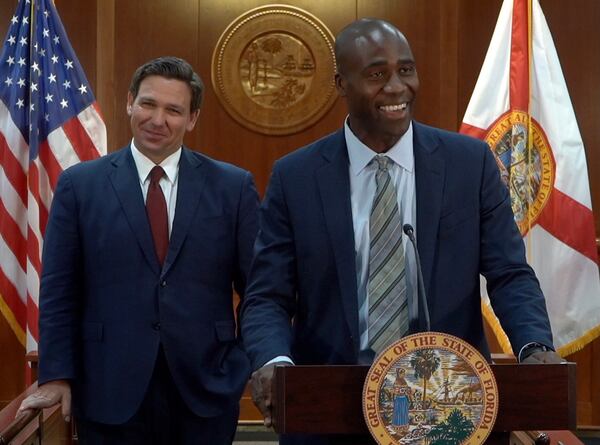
x=377 y=77
x=357 y=34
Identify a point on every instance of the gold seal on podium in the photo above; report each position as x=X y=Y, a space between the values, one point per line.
x=430 y=388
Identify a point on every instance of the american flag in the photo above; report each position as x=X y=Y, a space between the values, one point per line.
x=49 y=120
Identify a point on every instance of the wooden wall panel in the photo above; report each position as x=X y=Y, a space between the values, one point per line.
x=577 y=39
x=431 y=31
x=145 y=30
x=12 y=364
x=12 y=360
x=7 y=9
x=476 y=22
x=224 y=138
x=576 y=36
x=449 y=39
x=80 y=23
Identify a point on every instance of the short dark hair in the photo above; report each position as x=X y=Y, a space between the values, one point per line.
x=171 y=68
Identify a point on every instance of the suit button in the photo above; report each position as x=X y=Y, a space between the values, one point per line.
x=156 y=326
x=163 y=284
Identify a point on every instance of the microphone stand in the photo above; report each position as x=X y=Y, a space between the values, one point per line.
x=410 y=232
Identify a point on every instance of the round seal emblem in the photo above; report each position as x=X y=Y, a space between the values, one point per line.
x=529 y=174
x=273 y=69
x=430 y=388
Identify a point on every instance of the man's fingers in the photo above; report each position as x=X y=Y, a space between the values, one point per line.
x=548 y=357
x=22 y=411
x=260 y=396
x=49 y=395
x=268 y=421
x=34 y=401
x=66 y=406
x=261 y=392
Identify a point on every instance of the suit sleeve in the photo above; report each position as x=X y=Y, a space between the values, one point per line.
x=60 y=287
x=270 y=300
x=513 y=288
x=247 y=226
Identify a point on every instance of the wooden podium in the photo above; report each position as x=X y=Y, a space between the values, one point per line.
x=328 y=399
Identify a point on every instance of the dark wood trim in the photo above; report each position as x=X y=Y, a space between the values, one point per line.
x=328 y=399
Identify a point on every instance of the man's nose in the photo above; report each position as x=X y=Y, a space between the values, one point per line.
x=158 y=117
x=395 y=84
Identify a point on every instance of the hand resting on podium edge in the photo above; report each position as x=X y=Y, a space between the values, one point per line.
x=540 y=357
x=47 y=395
x=261 y=384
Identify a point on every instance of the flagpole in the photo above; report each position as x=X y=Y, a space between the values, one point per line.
x=529 y=125
x=31 y=49
x=28 y=347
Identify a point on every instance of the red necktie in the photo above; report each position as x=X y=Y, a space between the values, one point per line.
x=156 y=207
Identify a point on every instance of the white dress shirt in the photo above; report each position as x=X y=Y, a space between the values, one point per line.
x=168 y=183
x=362 y=194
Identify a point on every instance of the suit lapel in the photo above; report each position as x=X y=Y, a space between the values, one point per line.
x=430 y=172
x=334 y=187
x=125 y=181
x=190 y=184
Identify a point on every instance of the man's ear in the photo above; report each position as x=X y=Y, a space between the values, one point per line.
x=340 y=84
x=193 y=118
x=129 y=103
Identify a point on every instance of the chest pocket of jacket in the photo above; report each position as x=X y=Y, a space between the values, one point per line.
x=456 y=219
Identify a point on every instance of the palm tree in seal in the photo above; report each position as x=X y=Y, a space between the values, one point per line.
x=425 y=362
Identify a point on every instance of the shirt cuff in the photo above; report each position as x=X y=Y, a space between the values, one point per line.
x=532 y=344
x=279 y=358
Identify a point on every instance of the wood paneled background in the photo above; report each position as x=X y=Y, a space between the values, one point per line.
x=449 y=39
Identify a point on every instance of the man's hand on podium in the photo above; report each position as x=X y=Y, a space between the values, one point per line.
x=262 y=390
x=47 y=395
x=538 y=357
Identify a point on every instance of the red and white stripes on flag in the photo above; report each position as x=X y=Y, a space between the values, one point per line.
x=521 y=108
x=49 y=120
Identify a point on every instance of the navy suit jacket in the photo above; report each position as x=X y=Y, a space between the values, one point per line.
x=304 y=266
x=105 y=302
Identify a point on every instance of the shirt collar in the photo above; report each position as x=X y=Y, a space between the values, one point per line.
x=360 y=155
x=143 y=164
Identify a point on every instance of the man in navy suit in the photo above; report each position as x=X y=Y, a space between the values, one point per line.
x=311 y=261
x=137 y=325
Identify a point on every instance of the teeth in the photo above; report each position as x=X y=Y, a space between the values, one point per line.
x=393 y=107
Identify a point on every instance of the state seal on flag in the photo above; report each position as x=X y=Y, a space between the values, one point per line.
x=528 y=169
x=428 y=387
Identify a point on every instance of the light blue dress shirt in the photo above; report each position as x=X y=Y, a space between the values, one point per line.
x=362 y=194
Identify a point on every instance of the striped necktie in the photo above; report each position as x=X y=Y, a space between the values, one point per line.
x=388 y=309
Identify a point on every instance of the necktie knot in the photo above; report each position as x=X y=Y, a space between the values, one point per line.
x=383 y=163
x=156 y=174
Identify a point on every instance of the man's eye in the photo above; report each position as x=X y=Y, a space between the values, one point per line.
x=376 y=75
x=407 y=70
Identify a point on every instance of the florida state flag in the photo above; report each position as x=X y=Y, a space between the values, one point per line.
x=521 y=108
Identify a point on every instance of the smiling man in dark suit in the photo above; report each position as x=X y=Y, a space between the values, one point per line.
x=331 y=255
x=142 y=250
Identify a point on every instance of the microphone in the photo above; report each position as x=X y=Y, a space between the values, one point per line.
x=410 y=232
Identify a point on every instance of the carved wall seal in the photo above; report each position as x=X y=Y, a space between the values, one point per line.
x=273 y=69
